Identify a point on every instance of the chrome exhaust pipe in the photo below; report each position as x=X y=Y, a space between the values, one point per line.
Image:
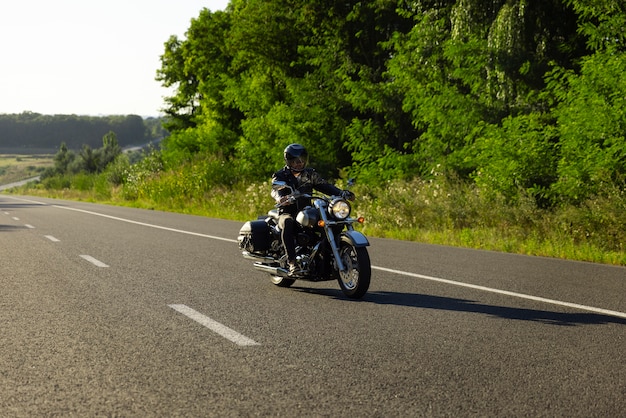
x=256 y=257
x=259 y=264
x=274 y=271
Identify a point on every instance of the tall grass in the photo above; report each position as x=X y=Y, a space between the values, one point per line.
x=451 y=212
x=15 y=167
x=440 y=210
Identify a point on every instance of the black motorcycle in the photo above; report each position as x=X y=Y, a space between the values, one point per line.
x=327 y=245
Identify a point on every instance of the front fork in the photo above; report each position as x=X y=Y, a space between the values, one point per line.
x=330 y=235
x=333 y=246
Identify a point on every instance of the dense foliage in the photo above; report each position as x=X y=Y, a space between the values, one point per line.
x=520 y=97
x=474 y=119
x=27 y=131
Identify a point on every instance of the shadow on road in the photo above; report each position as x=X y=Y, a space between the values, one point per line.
x=10 y=206
x=9 y=228
x=415 y=300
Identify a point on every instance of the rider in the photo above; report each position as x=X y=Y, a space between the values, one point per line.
x=296 y=175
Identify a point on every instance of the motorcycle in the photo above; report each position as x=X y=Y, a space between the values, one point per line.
x=327 y=245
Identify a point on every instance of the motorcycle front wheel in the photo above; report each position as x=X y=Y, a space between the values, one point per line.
x=355 y=281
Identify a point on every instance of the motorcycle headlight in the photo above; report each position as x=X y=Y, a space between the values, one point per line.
x=340 y=209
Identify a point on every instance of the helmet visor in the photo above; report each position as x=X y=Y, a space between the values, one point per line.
x=297 y=163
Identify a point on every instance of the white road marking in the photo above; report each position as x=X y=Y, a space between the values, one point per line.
x=51 y=238
x=214 y=326
x=165 y=228
x=15 y=218
x=506 y=292
x=29 y=226
x=404 y=273
x=130 y=221
x=93 y=261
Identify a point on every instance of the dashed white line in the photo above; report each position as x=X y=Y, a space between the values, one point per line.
x=130 y=221
x=94 y=261
x=51 y=238
x=15 y=218
x=29 y=226
x=405 y=273
x=214 y=326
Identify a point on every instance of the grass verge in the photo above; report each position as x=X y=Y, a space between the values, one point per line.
x=16 y=167
x=439 y=211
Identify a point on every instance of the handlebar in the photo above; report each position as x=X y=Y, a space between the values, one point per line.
x=291 y=199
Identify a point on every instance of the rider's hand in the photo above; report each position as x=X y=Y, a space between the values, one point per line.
x=285 y=200
x=348 y=195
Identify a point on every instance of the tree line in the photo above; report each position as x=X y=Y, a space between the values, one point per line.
x=30 y=130
x=518 y=97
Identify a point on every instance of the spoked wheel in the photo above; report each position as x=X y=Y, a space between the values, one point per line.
x=355 y=281
x=282 y=281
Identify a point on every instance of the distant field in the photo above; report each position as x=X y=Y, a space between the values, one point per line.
x=16 y=167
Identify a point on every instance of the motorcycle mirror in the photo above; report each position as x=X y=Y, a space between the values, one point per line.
x=279 y=185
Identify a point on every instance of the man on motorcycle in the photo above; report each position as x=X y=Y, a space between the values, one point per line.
x=303 y=179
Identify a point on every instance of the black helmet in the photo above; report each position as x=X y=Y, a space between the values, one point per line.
x=296 y=157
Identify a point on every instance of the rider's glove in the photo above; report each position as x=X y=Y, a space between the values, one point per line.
x=347 y=194
x=287 y=200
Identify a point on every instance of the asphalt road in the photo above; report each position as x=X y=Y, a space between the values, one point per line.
x=109 y=311
x=17 y=183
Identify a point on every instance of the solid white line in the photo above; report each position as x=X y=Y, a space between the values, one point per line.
x=181 y=231
x=197 y=234
x=25 y=200
x=405 y=273
x=214 y=326
x=506 y=292
x=51 y=238
x=93 y=261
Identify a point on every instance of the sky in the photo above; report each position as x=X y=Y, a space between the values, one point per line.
x=89 y=57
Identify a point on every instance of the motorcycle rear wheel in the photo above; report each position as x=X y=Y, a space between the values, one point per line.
x=282 y=281
x=355 y=281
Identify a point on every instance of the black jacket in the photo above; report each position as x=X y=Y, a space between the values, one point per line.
x=306 y=182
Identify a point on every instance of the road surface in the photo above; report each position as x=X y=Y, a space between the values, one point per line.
x=18 y=183
x=110 y=311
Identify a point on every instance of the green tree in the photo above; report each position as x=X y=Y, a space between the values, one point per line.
x=197 y=68
x=387 y=88
x=109 y=151
x=518 y=157
x=90 y=161
x=591 y=118
x=63 y=159
x=602 y=23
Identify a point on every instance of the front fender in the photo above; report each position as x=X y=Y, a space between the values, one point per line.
x=355 y=238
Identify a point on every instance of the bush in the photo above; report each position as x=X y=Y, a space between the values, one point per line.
x=82 y=181
x=117 y=171
x=599 y=221
x=139 y=174
x=592 y=125
x=57 y=182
